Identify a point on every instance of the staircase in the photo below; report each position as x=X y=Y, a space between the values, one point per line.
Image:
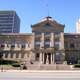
x=48 y=67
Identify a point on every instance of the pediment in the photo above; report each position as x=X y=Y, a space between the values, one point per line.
x=48 y=25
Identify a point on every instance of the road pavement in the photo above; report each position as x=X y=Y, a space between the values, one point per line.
x=39 y=75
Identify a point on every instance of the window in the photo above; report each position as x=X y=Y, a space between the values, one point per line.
x=23 y=46
x=2 y=45
x=12 y=54
x=37 y=33
x=57 y=45
x=47 y=45
x=37 y=42
x=48 y=26
x=12 y=45
x=37 y=46
x=72 y=45
x=58 y=57
x=47 y=39
x=22 y=55
x=57 y=34
x=8 y=45
x=47 y=42
x=17 y=55
x=47 y=33
x=6 y=55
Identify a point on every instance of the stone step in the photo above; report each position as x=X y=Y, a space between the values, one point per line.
x=48 y=67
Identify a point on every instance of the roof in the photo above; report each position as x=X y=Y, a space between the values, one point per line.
x=47 y=19
x=71 y=33
x=7 y=11
x=29 y=34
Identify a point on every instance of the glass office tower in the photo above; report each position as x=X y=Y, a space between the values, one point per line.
x=9 y=22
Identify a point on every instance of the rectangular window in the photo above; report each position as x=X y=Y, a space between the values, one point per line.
x=57 y=35
x=38 y=33
x=6 y=55
x=8 y=45
x=37 y=46
x=17 y=55
x=11 y=55
x=47 y=46
x=22 y=55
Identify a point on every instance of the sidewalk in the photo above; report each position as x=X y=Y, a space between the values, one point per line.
x=40 y=71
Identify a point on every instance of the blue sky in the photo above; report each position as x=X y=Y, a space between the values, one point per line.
x=32 y=11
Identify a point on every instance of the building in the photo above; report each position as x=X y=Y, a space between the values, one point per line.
x=78 y=26
x=72 y=47
x=47 y=44
x=9 y=22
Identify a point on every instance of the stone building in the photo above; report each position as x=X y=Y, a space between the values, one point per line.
x=47 y=44
x=72 y=47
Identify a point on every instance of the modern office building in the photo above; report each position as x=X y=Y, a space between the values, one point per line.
x=9 y=22
x=47 y=44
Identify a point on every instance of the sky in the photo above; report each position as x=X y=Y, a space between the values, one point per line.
x=32 y=11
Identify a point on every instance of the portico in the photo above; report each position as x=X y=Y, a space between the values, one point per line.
x=45 y=57
x=48 y=39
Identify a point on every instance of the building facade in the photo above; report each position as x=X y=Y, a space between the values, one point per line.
x=47 y=44
x=9 y=22
x=72 y=47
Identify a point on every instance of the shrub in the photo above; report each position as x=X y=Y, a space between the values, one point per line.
x=78 y=61
x=24 y=67
x=16 y=65
x=5 y=62
x=77 y=65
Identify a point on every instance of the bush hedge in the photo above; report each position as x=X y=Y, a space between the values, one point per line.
x=5 y=62
x=16 y=65
x=24 y=67
x=77 y=66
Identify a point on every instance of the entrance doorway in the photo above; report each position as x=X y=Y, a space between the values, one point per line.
x=47 y=58
x=58 y=58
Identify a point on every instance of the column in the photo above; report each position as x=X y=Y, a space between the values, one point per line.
x=13 y=55
x=33 y=40
x=51 y=58
x=52 y=40
x=42 y=40
x=47 y=61
x=9 y=55
x=53 y=55
x=52 y=45
x=43 y=57
x=62 y=40
x=3 y=54
x=19 y=55
x=62 y=46
x=40 y=58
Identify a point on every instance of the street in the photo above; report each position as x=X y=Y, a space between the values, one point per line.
x=40 y=75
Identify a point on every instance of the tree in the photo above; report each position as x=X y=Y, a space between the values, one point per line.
x=1 y=59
